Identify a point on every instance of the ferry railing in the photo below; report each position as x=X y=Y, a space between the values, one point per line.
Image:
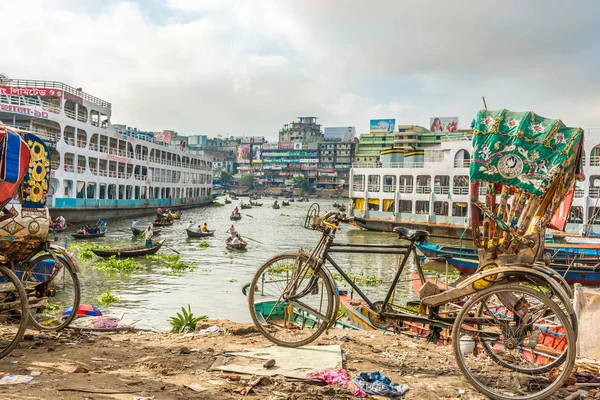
x=462 y=163
x=594 y=192
x=112 y=174
x=81 y=144
x=462 y=190
x=594 y=161
x=95 y=123
x=69 y=168
x=423 y=189
x=61 y=86
x=389 y=165
x=579 y=193
x=358 y=188
x=112 y=151
x=102 y=173
x=441 y=189
x=54 y=165
x=406 y=189
x=80 y=170
x=373 y=188
x=70 y=113
x=81 y=117
x=389 y=188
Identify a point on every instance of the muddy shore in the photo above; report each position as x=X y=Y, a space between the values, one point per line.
x=157 y=365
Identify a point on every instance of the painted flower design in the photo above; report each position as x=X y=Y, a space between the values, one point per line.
x=535 y=155
x=497 y=146
x=485 y=153
x=511 y=123
x=537 y=128
x=488 y=121
x=559 y=138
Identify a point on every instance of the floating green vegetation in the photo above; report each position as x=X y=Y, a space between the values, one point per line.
x=185 y=321
x=215 y=204
x=84 y=249
x=173 y=262
x=284 y=215
x=205 y=271
x=163 y=257
x=280 y=269
x=233 y=280
x=203 y=244
x=362 y=279
x=114 y=264
x=106 y=299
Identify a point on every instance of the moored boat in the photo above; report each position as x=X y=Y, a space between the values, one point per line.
x=235 y=217
x=88 y=235
x=135 y=251
x=138 y=231
x=285 y=203
x=194 y=234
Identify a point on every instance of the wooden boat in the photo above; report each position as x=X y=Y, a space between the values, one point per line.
x=57 y=229
x=235 y=217
x=130 y=251
x=291 y=200
x=285 y=203
x=342 y=208
x=173 y=215
x=256 y=204
x=88 y=235
x=245 y=206
x=240 y=246
x=193 y=234
x=162 y=222
x=138 y=231
x=276 y=206
x=227 y=201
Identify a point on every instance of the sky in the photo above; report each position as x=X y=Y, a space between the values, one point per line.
x=247 y=67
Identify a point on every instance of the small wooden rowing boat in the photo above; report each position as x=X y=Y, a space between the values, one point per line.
x=138 y=231
x=193 y=234
x=256 y=204
x=227 y=201
x=130 y=251
x=239 y=246
x=276 y=206
x=246 y=206
x=285 y=203
x=235 y=217
x=162 y=223
x=88 y=235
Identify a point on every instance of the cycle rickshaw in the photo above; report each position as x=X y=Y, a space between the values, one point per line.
x=511 y=324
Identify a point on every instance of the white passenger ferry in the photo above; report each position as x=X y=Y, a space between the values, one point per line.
x=101 y=170
x=430 y=189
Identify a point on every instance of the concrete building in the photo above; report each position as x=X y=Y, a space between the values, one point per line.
x=335 y=161
x=305 y=130
x=371 y=145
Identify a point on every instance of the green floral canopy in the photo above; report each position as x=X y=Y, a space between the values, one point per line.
x=524 y=150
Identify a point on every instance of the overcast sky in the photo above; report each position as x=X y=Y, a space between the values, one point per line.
x=246 y=67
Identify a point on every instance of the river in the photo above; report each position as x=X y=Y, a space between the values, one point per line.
x=154 y=294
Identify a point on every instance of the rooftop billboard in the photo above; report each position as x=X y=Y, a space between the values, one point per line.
x=338 y=134
x=382 y=125
x=443 y=124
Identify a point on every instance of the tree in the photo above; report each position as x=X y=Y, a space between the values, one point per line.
x=247 y=180
x=300 y=182
x=225 y=178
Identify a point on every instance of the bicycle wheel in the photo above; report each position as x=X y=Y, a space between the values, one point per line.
x=523 y=327
x=13 y=311
x=291 y=304
x=56 y=288
x=561 y=301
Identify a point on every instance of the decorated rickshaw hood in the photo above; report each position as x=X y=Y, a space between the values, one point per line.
x=524 y=150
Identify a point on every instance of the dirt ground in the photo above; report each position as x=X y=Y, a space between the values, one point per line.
x=161 y=366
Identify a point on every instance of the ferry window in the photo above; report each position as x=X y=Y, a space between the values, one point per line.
x=102 y=194
x=359 y=183
x=373 y=204
x=374 y=183
x=389 y=183
x=68 y=188
x=459 y=209
x=128 y=192
x=461 y=159
x=80 y=189
x=69 y=135
x=112 y=191
x=594 y=215
x=143 y=194
x=91 y=190
x=441 y=184
x=440 y=208
x=405 y=184
x=576 y=215
x=405 y=206
x=70 y=107
x=461 y=184
x=422 y=207
x=423 y=184
x=121 y=192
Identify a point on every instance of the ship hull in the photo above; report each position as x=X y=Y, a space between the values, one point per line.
x=434 y=229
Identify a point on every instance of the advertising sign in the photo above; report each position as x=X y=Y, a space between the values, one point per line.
x=243 y=153
x=30 y=91
x=23 y=110
x=297 y=146
x=269 y=146
x=443 y=124
x=164 y=136
x=382 y=125
x=339 y=134
x=253 y=139
x=286 y=145
x=256 y=153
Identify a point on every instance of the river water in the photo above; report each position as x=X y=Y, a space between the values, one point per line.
x=154 y=294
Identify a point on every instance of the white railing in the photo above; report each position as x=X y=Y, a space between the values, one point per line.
x=460 y=190
x=358 y=187
x=54 y=165
x=80 y=169
x=594 y=161
x=406 y=189
x=112 y=174
x=423 y=189
x=579 y=193
x=61 y=86
x=373 y=188
x=482 y=190
x=594 y=192
x=70 y=113
x=462 y=163
x=441 y=189
x=69 y=168
x=81 y=144
x=389 y=188
x=389 y=165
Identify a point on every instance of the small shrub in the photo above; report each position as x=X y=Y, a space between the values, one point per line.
x=106 y=299
x=185 y=321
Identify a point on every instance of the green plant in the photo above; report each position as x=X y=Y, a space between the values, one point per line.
x=163 y=257
x=279 y=269
x=114 y=264
x=179 y=266
x=185 y=321
x=84 y=250
x=52 y=308
x=203 y=244
x=106 y=299
x=247 y=180
x=300 y=182
x=362 y=279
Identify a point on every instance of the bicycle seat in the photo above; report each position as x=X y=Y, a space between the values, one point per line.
x=410 y=234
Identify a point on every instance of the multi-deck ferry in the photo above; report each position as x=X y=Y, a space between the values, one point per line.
x=101 y=170
x=429 y=189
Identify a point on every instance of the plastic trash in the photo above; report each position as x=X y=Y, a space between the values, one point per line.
x=14 y=379
x=380 y=385
x=337 y=377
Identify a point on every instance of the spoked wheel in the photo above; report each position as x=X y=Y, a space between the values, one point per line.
x=289 y=302
x=13 y=311
x=55 y=287
x=504 y=334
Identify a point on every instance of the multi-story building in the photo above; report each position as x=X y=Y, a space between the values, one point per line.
x=305 y=130
x=371 y=145
x=335 y=161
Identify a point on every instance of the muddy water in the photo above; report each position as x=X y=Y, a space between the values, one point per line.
x=214 y=288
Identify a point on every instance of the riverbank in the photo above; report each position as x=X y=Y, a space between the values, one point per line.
x=79 y=365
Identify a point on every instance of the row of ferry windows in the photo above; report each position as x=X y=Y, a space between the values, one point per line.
x=406 y=183
x=91 y=190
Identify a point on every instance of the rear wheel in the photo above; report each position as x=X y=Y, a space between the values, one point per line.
x=291 y=300
x=505 y=334
x=13 y=311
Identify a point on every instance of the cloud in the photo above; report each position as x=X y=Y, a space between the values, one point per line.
x=250 y=66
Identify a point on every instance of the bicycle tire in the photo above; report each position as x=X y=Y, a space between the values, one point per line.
x=24 y=310
x=327 y=286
